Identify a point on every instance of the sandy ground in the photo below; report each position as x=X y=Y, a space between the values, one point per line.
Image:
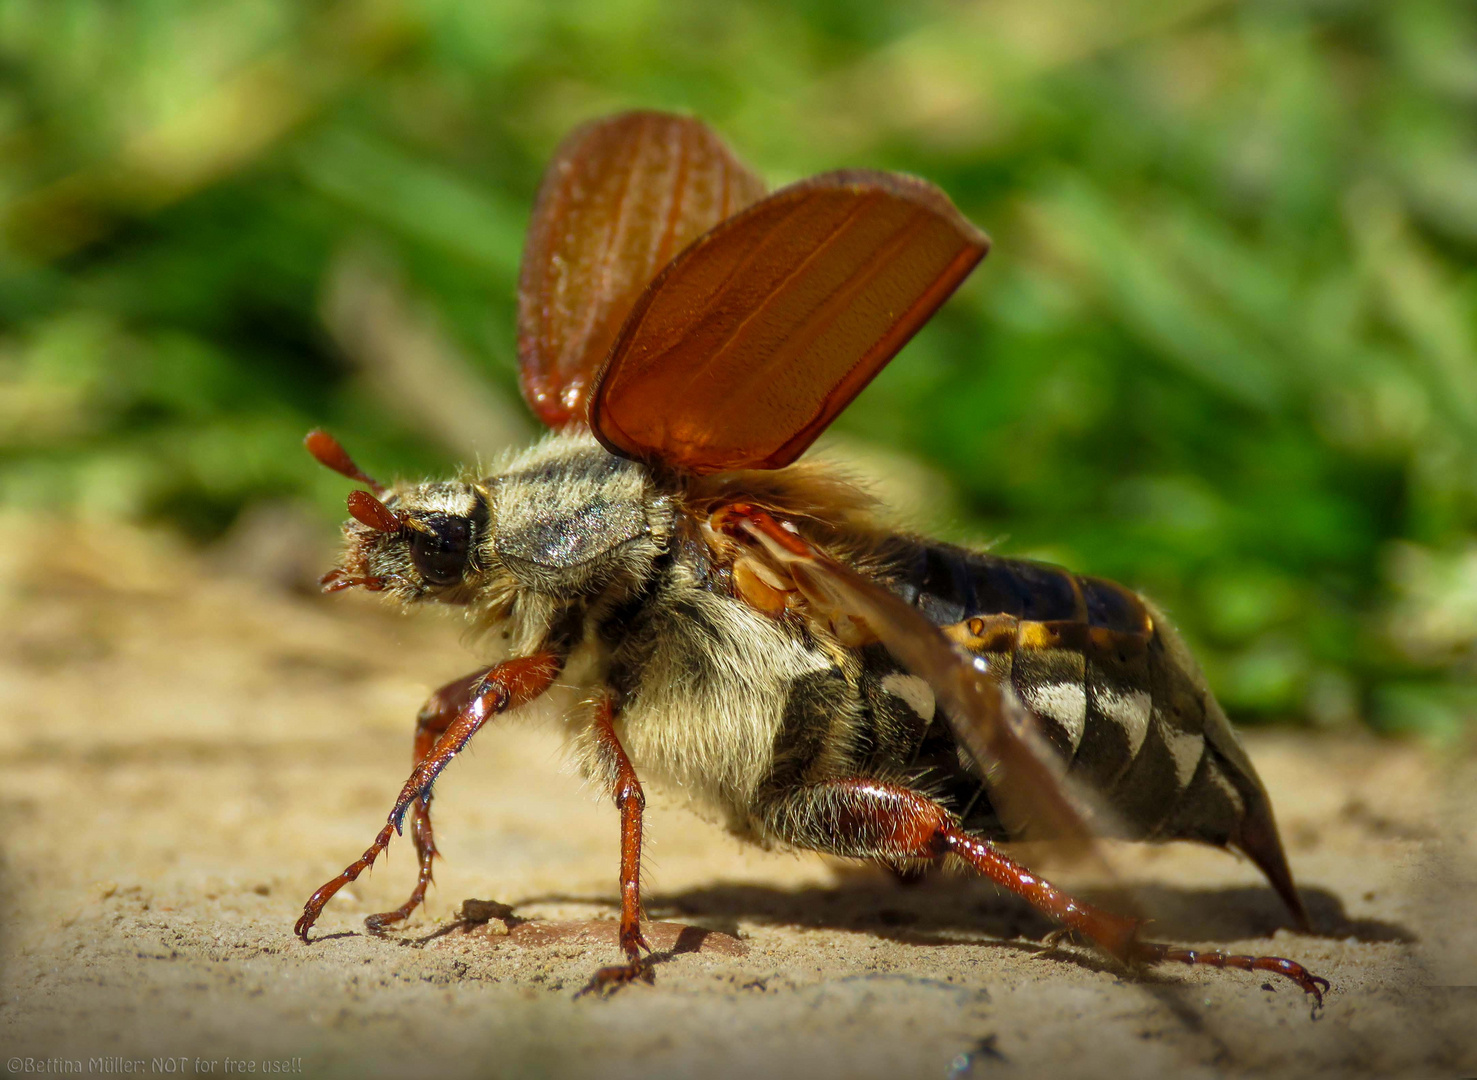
x=187 y=749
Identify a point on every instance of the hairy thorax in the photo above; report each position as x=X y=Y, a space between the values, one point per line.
x=606 y=559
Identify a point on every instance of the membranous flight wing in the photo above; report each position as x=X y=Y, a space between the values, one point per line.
x=1029 y=792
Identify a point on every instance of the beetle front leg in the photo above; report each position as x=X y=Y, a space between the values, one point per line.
x=502 y=687
x=435 y=716
x=630 y=801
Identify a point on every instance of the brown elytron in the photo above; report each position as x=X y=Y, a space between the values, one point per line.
x=755 y=337
x=766 y=641
x=619 y=200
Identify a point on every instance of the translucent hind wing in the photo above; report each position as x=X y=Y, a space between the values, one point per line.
x=988 y=720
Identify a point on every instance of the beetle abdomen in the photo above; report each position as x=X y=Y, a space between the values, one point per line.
x=1089 y=659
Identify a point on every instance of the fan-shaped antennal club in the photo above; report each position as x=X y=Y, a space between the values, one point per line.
x=327 y=450
x=367 y=510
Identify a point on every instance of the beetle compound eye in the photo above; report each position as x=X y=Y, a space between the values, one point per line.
x=440 y=555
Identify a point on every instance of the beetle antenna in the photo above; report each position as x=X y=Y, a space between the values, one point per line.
x=367 y=510
x=328 y=451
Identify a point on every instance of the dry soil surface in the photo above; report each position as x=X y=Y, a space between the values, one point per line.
x=187 y=749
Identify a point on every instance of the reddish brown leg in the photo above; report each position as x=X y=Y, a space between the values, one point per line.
x=871 y=820
x=630 y=801
x=436 y=715
x=503 y=687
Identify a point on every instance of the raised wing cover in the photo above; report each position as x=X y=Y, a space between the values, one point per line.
x=751 y=341
x=620 y=199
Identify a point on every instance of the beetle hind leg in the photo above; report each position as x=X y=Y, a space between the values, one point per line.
x=868 y=819
x=1149 y=952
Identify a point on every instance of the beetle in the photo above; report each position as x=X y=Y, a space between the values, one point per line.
x=748 y=627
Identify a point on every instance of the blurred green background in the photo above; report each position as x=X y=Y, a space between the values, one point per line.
x=1225 y=349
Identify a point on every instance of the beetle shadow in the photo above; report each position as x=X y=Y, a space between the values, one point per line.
x=949 y=909
x=946 y=909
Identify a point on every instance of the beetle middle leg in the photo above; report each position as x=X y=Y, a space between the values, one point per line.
x=435 y=716
x=630 y=801
x=868 y=819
